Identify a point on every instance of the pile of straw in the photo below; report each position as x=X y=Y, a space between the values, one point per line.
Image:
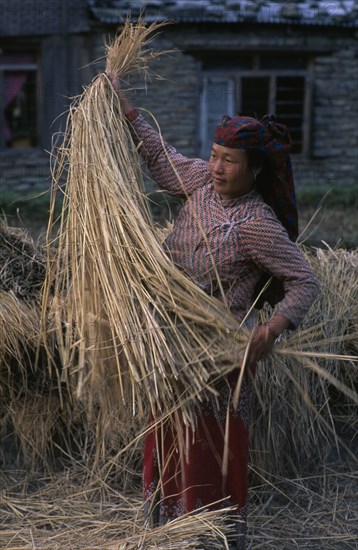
x=22 y=274
x=77 y=508
x=312 y=511
x=31 y=406
x=304 y=397
x=74 y=509
x=131 y=328
x=19 y=330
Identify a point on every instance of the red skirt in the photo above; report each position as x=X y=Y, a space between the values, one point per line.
x=184 y=470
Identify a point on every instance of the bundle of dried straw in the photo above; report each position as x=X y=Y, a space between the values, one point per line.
x=131 y=328
x=306 y=391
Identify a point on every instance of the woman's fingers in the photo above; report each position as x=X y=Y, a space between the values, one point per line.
x=260 y=344
x=114 y=80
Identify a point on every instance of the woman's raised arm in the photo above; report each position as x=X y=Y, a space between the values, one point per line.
x=177 y=174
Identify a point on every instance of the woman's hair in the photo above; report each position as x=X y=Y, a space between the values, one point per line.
x=256 y=158
x=259 y=160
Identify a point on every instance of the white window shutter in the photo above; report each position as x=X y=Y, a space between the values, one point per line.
x=217 y=99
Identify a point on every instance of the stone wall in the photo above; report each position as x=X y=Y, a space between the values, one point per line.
x=335 y=123
x=174 y=101
x=24 y=173
x=333 y=157
x=23 y=168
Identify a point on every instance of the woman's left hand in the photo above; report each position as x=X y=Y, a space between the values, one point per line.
x=260 y=344
x=263 y=337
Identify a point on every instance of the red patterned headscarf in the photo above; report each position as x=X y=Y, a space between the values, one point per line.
x=273 y=139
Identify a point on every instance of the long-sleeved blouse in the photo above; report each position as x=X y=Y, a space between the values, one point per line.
x=236 y=240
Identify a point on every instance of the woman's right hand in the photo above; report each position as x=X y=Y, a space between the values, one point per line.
x=125 y=104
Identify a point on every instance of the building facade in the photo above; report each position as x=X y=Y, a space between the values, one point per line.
x=298 y=60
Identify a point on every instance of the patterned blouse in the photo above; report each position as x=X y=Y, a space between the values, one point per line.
x=234 y=240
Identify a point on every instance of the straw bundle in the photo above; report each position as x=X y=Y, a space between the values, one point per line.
x=131 y=328
x=300 y=396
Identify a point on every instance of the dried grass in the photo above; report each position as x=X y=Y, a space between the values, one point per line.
x=314 y=511
x=30 y=401
x=129 y=54
x=304 y=390
x=76 y=509
x=19 y=330
x=22 y=273
x=132 y=330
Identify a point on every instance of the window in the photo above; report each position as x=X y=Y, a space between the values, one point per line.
x=256 y=85
x=18 y=83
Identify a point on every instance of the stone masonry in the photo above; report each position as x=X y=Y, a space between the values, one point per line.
x=174 y=100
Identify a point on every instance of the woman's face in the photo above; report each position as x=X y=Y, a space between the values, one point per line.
x=230 y=171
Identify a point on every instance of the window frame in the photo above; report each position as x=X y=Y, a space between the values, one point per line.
x=33 y=67
x=238 y=74
x=203 y=108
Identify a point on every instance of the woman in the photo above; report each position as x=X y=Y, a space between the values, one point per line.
x=225 y=228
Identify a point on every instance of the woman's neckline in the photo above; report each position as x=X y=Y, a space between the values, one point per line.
x=236 y=200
